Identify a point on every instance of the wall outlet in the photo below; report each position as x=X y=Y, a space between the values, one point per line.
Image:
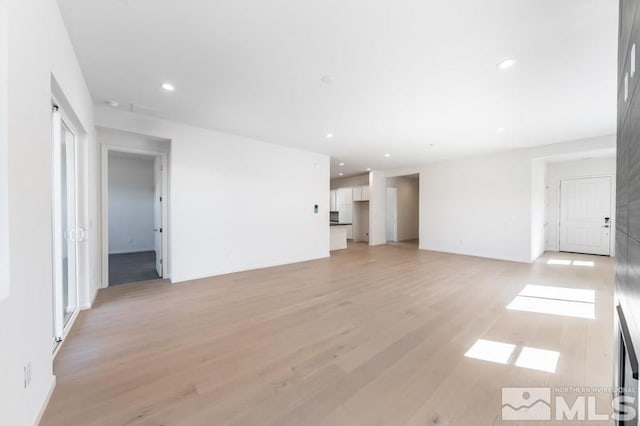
x=27 y=375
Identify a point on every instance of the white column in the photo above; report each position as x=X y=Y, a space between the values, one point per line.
x=377 y=208
x=4 y=164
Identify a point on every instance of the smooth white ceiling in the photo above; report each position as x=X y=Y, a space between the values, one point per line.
x=405 y=73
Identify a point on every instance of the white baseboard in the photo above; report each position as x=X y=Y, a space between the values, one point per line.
x=45 y=403
x=132 y=251
x=473 y=254
x=88 y=305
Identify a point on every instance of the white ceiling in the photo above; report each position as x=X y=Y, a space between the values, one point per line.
x=405 y=73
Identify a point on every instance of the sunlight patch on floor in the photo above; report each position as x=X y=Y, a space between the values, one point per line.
x=538 y=359
x=572 y=302
x=488 y=350
x=568 y=262
x=505 y=353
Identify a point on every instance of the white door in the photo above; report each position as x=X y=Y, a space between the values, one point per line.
x=66 y=234
x=157 y=213
x=392 y=214
x=585 y=215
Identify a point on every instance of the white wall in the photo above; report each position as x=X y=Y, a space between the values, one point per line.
x=556 y=171
x=131 y=204
x=478 y=206
x=408 y=206
x=484 y=206
x=236 y=203
x=39 y=49
x=538 y=195
x=4 y=164
x=346 y=182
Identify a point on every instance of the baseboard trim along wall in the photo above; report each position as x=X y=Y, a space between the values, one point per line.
x=143 y=250
x=45 y=402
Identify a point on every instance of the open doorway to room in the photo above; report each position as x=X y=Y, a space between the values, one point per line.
x=134 y=207
x=402 y=210
x=349 y=211
x=135 y=217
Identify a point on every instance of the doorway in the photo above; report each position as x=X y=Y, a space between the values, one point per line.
x=402 y=210
x=134 y=216
x=585 y=215
x=66 y=233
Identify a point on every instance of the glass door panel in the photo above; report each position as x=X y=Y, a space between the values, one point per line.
x=65 y=231
x=69 y=230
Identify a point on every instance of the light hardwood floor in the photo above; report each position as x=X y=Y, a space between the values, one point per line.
x=370 y=336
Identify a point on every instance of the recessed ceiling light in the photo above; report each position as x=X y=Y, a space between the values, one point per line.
x=500 y=129
x=329 y=135
x=342 y=164
x=168 y=87
x=387 y=155
x=112 y=103
x=340 y=174
x=507 y=63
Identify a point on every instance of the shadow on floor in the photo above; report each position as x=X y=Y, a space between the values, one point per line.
x=131 y=267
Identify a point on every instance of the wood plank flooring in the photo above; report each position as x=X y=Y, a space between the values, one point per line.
x=371 y=336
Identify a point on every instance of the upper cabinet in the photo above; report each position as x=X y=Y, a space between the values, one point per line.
x=333 y=200
x=345 y=196
x=361 y=193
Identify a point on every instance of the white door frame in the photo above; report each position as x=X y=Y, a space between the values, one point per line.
x=61 y=118
x=105 y=206
x=612 y=201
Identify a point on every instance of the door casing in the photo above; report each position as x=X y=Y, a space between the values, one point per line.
x=105 y=206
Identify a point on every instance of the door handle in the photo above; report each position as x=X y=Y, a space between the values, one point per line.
x=605 y=226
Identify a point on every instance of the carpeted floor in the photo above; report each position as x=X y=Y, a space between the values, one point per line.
x=132 y=267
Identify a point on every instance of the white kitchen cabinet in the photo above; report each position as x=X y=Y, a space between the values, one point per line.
x=349 y=232
x=333 y=200
x=345 y=213
x=345 y=196
x=364 y=193
x=357 y=193
x=361 y=193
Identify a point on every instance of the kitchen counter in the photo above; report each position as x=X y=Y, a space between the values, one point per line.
x=339 y=224
x=338 y=236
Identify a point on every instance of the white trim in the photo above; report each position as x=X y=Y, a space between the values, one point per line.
x=480 y=255
x=132 y=251
x=45 y=402
x=92 y=300
x=67 y=329
x=104 y=186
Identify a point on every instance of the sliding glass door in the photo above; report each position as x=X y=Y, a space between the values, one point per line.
x=65 y=230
